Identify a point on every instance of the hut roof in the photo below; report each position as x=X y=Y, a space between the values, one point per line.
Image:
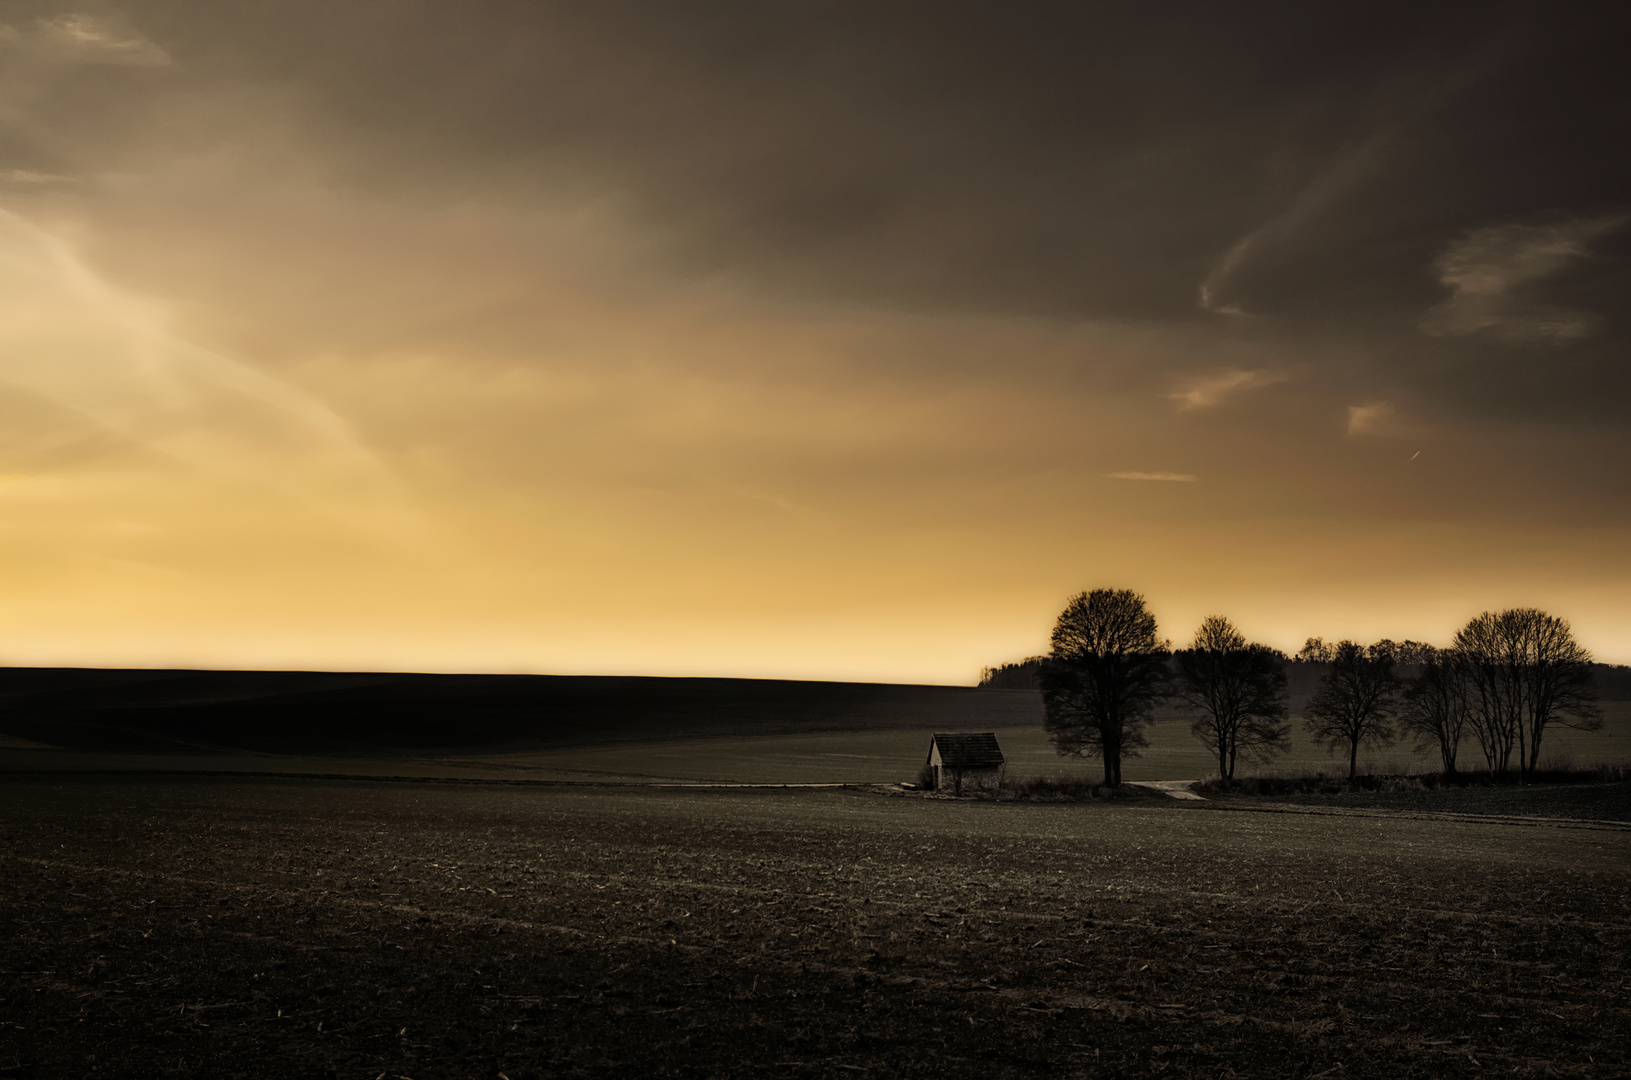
x=967 y=750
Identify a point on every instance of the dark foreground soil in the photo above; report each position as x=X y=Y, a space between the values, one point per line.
x=241 y=928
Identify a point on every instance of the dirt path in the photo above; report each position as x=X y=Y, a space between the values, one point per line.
x=1177 y=789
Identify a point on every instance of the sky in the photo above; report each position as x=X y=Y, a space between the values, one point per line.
x=806 y=340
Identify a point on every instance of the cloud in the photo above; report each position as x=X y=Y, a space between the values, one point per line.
x=1492 y=271
x=1375 y=418
x=1073 y=162
x=1162 y=477
x=109 y=364
x=1231 y=259
x=1320 y=197
x=1209 y=391
x=1209 y=304
x=88 y=39
x=32 y=178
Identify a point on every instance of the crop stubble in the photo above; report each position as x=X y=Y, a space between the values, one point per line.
x=256 y=928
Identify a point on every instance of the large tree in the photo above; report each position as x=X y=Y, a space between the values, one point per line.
x=1491 y=647
x=1526 y=673
x=1437 y=704
x=1105 y=675
x=1237 y=692
x=1354 y=703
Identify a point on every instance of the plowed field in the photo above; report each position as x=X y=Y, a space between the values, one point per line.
x=256 y=928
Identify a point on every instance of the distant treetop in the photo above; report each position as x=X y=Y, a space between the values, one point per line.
x=1020 y=675
x=1405 y=653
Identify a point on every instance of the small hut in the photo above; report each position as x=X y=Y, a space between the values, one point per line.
x=959 y=758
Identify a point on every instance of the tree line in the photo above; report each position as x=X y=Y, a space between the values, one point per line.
x=1505 y=680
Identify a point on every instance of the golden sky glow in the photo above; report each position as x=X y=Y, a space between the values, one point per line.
x=293 y=375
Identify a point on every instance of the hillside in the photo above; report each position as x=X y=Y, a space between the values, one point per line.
x=325 y=712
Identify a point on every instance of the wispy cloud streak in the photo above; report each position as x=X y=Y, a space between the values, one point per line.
x=1375 y=418
x=1489 y=273
x=1159 y=477
x=89 y=39
x=1211 y=390
x=72 y=338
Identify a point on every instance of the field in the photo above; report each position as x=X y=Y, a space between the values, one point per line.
x=876 y=756
x=296 y=893
x=881 y=756
x=887 y=756
x=595 y=729
x=213 y=927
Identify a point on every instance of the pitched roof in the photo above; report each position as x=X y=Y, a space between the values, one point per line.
x=967 y=750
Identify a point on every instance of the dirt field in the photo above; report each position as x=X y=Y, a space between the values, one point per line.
x=220 y=928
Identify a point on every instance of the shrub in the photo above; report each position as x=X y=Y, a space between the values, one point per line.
x=1048 y=789
x=1320 y=784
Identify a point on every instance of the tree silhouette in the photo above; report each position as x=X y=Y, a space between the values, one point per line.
x=1437 y=705
x=1526 y=673
x=1315 y=651
x=1355 y=701
x=1238 y=692
x=1104 y=677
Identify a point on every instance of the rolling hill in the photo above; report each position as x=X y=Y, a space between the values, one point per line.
x=330 y=712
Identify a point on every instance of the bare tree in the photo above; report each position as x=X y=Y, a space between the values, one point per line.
x=1238 y=693
x=1437 y=705
x=1355 y=701
x=1406 y=653
x=1561 y=690
x=1527 y=673
x=1492 y=658
x=1104 y=676
x=1315 y=651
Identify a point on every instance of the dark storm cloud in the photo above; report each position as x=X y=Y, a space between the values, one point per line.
x=1314 y=170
